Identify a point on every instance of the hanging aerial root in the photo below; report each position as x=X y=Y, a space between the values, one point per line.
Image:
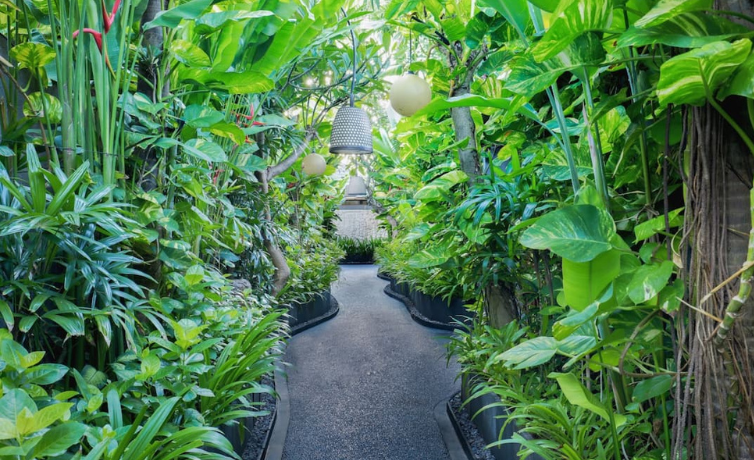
x=733 y=310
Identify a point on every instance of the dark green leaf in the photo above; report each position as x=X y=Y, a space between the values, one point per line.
x=652 y=388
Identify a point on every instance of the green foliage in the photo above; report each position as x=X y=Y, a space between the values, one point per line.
x=359 y=250
x=129 y=199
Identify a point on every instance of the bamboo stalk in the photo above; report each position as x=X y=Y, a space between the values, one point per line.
x=733 y=310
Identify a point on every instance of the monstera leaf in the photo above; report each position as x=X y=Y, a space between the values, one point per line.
x=578 y=233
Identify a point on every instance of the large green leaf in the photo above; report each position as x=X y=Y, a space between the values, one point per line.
x=583 y=282
x=472 y=100
x=427 y=258
x=211 y=22
x=529 y=77
x=648 y=280
x=688 y=30
x=656 y=225
x=578 y=233
x=575 y=18
x=398 y=7
x=13 y=402
x=691 y=77
x=514 y=11
x=189 y=54
x=573 y=321
x=652 y=388
x=540 y=350
x=31 y=55
x=742 y=83
x=439 y=187
x=578 y=395
x=56 y=441
x=170 y=18
x=534 y=352
x=200 y=116
x=666 y=10
x=43 y=105
x=198 y=148
x=230 y=82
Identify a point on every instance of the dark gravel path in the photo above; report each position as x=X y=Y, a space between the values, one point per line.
x=363 y=385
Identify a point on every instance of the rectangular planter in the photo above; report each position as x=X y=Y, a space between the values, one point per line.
x=299 y=313
x=490 y=422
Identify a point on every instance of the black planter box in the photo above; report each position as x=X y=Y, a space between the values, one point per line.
x=432 y=311
x=303 y=313
x=490 y=422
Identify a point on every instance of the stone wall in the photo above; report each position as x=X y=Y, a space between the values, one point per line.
x=359 y=222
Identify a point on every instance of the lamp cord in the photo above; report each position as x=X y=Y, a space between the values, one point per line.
x=410 y=51
x=353 y=43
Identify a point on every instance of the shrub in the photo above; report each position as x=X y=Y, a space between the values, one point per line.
x=359 y=251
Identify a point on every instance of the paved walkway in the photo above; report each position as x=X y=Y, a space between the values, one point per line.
x=364 y=384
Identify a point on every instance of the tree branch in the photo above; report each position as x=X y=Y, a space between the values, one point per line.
x=283 y=166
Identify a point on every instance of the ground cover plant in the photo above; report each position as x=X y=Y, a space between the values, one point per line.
x=357 y=250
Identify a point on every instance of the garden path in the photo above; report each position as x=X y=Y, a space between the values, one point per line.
x=364 y=385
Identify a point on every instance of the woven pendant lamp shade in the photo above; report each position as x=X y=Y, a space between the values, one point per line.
x=351 y=132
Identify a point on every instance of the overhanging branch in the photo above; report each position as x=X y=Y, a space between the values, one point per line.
x=283 y=166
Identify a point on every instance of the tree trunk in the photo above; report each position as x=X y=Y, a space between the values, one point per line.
x=463 y=123
x=500 y=305
x=716 y=397
x=277 y=257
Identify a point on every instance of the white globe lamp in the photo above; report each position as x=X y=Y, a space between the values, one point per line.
x=314 y=164
x=409 y=94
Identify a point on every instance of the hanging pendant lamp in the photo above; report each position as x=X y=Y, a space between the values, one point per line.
x=351 y=128
x=409 y=93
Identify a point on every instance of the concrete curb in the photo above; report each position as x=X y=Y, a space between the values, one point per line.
x=279 y=431
x=458 y=448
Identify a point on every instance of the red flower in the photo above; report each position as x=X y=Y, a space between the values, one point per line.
x=96 y=35
x=108 y=19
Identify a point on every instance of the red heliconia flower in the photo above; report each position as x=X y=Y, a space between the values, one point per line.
x=96 y=35
x=249 y=117
x=108 y=19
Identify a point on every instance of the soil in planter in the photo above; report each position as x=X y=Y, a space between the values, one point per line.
x=469 y=430
x=262 y=426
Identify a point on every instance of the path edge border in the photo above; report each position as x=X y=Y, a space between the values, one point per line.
x=415 y=314
x=279 y=431
x=450 y=430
